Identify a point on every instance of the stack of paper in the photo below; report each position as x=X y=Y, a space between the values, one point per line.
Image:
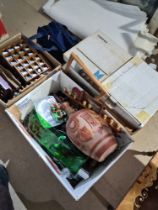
x=100 y=54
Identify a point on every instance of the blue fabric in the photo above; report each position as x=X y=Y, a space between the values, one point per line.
x=5 y=198
x=55 y=38
x=4 y=178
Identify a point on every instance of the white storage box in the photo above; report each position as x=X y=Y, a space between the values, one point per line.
x=22 y=107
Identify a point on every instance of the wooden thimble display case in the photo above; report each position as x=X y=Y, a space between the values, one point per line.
x=25 y=62
x=24 y=67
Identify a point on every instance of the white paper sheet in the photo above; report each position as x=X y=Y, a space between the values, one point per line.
x=85 y=17
x=135 y=87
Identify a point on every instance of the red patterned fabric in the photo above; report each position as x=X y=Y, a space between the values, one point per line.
x=86 y=130
x=2 y=29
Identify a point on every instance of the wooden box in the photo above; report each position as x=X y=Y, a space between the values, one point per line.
x=8 y=48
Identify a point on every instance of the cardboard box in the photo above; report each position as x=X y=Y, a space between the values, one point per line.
x=55 y=66
x=128 y=83
x=21 y=108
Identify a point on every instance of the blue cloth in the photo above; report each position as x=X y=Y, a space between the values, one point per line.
x=5 y=198
x=55 y=38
